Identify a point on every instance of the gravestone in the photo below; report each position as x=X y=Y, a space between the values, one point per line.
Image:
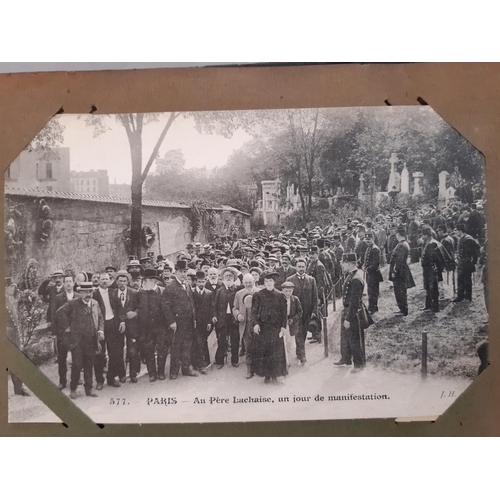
x=405 y=180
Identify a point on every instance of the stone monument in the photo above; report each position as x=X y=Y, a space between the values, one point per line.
x=394 y=177
x=417 y=189
x=405 y=180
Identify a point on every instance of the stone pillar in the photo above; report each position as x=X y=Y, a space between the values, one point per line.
x=417 y=190
x=405 y=180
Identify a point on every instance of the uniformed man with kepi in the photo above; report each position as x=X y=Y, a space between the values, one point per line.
x=352 y=294
x=399 y=271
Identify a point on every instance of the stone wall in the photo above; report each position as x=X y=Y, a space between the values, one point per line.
x=88 y=235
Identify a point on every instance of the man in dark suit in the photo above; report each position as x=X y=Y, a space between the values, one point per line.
x=178 y=308
x=128 y=310
x=114 y=334
x=371 y=266
x=203 y=306
x=306 y=290
x=475 y=224
x=399 y=271
x=82 y=322
x=61 y=298
x=154 y=337
x=317 y=270
x=226 y=326
x=285 y=270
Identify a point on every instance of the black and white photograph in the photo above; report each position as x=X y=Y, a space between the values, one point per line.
x=252 y=265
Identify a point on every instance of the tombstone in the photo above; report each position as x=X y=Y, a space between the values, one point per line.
x=405 y=180
x=443 y=176
x=392 y=177
x=417 y=189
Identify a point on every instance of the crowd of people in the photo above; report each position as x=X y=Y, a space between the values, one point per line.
x=261 y=296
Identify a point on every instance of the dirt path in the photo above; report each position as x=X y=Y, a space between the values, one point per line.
x=373 y=393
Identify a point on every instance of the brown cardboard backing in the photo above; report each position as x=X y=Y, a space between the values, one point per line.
x=466 y=95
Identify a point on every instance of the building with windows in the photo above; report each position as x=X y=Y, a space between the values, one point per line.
x=48 y=170
x=90 y=182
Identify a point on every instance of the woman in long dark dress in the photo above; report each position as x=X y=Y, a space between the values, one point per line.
x=269 y=320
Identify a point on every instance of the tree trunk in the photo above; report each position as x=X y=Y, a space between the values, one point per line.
x=136 y=212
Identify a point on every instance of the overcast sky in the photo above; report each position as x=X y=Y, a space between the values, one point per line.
x=111 y=150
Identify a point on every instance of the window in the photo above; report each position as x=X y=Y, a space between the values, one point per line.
x=49 y=171
x=7 y=173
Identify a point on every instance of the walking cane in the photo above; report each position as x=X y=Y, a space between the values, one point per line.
x=453 y=277
x=361 y=339
x=447 y=277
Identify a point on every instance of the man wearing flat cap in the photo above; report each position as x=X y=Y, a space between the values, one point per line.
x=179 y=310
x=82 y=322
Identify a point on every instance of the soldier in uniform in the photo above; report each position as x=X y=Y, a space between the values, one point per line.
x=371 y=266
x=269 y=317
x=467 y=256
x=352 y=294
x=399 y=271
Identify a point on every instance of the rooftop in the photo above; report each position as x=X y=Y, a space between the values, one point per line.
x=40 y=193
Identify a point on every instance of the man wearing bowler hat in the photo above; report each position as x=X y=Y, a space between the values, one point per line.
x=82 y=324
x=179 y=311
